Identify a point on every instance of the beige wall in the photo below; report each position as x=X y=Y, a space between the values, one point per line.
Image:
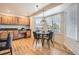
x=31 y=26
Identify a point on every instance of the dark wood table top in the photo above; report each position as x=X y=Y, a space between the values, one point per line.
x=42 y=33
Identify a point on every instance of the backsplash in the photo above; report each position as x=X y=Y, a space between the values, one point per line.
x=14 y=26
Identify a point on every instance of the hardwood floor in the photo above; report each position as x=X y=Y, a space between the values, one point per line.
x=26 y=47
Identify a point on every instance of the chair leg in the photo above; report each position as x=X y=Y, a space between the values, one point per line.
x=11 y=51
x=42 y=42
x=52 y=42
x=48 y=43
x=33 y=41
x=37 y=41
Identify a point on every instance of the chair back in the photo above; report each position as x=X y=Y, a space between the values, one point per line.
x=9 y=40
x=50 y=35
x=35 y=35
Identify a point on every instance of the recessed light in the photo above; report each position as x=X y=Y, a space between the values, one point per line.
x=37 y=6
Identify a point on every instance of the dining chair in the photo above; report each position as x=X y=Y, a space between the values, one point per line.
x=49 y=37
x=8 y=43
x=36 y=37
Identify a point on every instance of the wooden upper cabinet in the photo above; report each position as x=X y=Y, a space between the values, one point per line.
x=0 y=19
x=4 y=20
x=9 y=19
x=26 y=21
x=14 y=20
x=21 y=22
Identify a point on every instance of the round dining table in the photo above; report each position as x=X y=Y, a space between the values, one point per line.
x=42 y=33
x=43 y=36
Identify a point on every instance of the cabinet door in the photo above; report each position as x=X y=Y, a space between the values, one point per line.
x=4 y=20
x=21 y=22
x=28 y=33
x=14 y=20
x=15 y=34
x=3 y=35
x=24 y=21
x=27 y=21
x=9 y=19
x=0 y=19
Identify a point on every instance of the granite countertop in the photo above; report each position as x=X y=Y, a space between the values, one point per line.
x=22 y=31
x=8 y=29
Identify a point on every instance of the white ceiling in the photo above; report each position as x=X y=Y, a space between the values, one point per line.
x=20 y=9
x=52 y=11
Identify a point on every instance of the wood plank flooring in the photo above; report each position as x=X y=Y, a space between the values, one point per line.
x=26 y=47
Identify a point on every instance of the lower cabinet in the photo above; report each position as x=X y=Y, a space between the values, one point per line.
x=3 y=35
x=0 y=20
x=28 y=33
x=16 y=34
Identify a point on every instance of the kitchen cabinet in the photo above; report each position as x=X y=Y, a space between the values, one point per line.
x=28 y=21
x=25 y=33
x=14 y=20
x=21 y=21
x=28 y=33
x=4 y=20
x=22 y=34
x=9 y=19
x=3 y=35
x=0 y=19
x=15 y=34
x=24 y=21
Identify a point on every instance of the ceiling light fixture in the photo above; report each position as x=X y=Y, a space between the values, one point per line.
x=43 y=22
x=43 y=18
